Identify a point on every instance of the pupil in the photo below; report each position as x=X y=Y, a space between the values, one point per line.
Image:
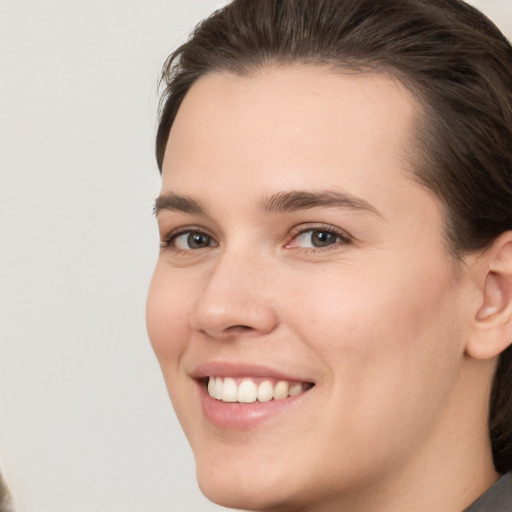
x=322 y=238
x=198 y=240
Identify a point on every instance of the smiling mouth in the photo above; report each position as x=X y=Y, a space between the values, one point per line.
x=248 y=390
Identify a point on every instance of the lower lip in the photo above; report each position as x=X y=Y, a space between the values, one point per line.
x=239 y=416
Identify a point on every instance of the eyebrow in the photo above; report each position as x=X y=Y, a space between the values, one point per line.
x=174 y=202
x=292 y=201
x=281 y=202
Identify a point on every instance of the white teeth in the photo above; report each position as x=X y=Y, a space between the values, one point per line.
x=265 y=391
x=217 y=391
x=211 y=387
x=281 y=390
x=229 y=391
x=247 y=391
x=295 y=389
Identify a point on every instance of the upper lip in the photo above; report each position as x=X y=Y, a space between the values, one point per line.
x=229 y=369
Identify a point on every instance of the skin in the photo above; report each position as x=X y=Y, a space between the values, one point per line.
x=379 y=320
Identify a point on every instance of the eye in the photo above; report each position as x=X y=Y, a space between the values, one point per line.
x=318 y=238
x=188 y=241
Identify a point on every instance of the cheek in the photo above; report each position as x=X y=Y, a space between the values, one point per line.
x=167 y=318
x=381 y=337
x=390 y=305
x=169 y=303
x=365 y=309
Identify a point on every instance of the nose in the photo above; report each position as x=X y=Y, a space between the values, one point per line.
x=235 y=300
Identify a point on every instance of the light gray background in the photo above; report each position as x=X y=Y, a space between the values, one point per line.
x=85 y=422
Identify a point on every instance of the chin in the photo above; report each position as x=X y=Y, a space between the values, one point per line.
x=258 y=487
x=229 y=497
x=248 y=499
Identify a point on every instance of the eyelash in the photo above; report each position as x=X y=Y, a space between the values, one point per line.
x=343 y=238
x=168 y=241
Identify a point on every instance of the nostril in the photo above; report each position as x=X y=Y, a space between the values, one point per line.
x=230 y=331
x=238 y=330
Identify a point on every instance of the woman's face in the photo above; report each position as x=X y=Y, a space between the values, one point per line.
x=299 y=258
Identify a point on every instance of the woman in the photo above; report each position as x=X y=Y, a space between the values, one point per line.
x=332 y=302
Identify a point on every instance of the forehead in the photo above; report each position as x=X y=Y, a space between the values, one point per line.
x=294 y=127
x=297 y=109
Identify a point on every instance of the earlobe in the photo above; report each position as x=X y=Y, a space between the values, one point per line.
x=492 y=331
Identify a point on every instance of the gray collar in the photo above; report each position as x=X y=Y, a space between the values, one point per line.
x=497 y=498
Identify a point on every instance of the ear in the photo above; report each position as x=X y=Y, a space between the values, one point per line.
x=492 y=331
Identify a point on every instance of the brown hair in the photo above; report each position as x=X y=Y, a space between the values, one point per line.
x=453 y=59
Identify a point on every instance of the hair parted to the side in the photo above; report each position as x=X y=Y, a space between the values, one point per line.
x=452 y=58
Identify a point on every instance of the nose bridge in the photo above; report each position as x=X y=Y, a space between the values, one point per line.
x=235 y=297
